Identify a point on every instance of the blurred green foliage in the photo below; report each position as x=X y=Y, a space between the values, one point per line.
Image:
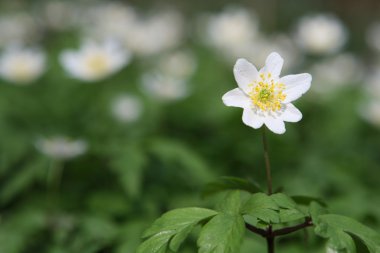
x=132 y=173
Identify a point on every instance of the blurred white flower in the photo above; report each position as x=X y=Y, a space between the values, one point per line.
x=370 y=111
x=338 y=71
x=95 y=61
x=180 y=64
x=61 y=148
x=281 y=43
x=21 y=65
x=164 y=87
x=17 y=28
x=373 y=36
x=321 y=34
x=232 y=32
x=154 y=34
x=265 y=96
x=60 y=15
x=127 y=108
x=373 y=81
x=115 y=22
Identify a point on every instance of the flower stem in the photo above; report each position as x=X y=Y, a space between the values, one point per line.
x=270 y=237
x=267 y=163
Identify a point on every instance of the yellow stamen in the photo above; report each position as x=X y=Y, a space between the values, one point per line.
x=267 y=94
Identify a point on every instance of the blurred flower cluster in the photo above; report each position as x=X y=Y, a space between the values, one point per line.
x=127 y=99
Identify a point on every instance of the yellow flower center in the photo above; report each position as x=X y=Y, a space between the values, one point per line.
x=267 y=94
x=97 y=63
x=21 y=71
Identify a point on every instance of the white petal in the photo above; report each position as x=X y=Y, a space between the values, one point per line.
x=290 y=113
x=276 y=125
x=273 y=64
x=250 y=118
x=295 y=86
x=236 y=98
x=245 y=73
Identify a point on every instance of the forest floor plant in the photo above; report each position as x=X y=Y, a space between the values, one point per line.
x=266 y=99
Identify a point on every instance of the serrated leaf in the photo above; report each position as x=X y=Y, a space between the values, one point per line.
x=262 y=207
x=283 y=201
x=230 y=183
x=339 y=228
x=288 y=208
x=222 y=234
x=172 y=228
x=288 y=215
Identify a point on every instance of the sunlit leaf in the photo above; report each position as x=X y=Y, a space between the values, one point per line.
x=223 y=233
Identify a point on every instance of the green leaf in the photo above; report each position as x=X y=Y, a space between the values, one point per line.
x=339 y=228
x=262 y=207
x=288 y=208
x=230 y=183
x=233 y=201
x=288 y=215
x=306 y=200
x=316 y=210
x=158 y=243
x=172 y=228
x=283 y=201
x=222 y=234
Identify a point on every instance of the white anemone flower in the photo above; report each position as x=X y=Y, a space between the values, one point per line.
x=127 y=108
x=265 y=96
x=61 y=148
x=321 y=34
x=21 y=65
x=95 y=61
